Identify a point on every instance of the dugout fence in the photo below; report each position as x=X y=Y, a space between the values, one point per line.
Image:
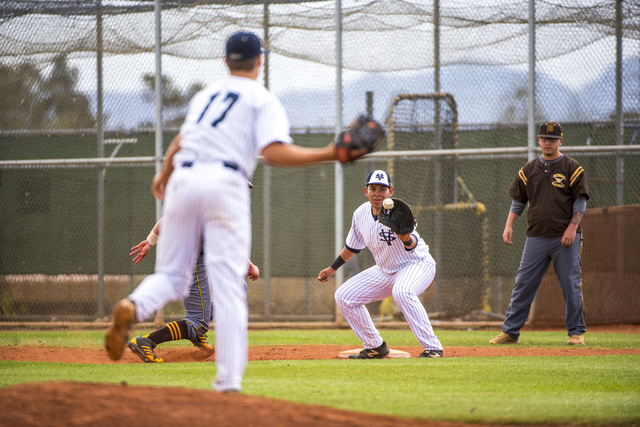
x=49 y=259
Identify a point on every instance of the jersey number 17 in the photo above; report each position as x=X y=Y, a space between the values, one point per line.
x=233 y=97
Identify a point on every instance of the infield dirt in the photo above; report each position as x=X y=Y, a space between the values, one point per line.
x=291 y=352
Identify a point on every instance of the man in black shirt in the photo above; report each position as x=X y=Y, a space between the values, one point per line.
x=555 y=187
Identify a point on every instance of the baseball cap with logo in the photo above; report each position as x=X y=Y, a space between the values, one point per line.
x=550 y=129
x=243 y=45
x=378 y=177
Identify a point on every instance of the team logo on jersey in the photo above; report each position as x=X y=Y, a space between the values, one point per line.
x=558 y=180
x=386 y=236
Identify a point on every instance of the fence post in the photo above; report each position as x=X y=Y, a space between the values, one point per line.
x=101 y=170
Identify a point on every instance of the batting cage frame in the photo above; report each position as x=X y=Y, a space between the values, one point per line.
x=435 y=116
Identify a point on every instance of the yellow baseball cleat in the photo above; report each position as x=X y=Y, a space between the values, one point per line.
x=202 y=343
x=143 y=348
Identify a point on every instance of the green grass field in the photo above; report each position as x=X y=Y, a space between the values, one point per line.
x=588 y=390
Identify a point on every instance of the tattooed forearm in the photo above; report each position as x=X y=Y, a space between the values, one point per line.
x=575 y=219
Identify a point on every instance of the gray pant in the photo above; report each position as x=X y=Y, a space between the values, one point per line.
x=537 y=255
x=198 y=305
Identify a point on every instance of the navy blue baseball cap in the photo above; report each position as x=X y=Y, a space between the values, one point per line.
x=378 y=177
x=243 y=45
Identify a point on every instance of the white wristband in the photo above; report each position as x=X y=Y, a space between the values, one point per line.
x=152 y=238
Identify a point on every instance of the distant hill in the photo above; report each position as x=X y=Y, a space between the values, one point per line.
x=124 y=110
x=599 y=98
x=482 y=95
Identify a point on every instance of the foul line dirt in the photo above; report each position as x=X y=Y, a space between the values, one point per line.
x=292 y=352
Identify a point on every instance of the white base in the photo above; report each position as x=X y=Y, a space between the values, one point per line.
x=393 y=354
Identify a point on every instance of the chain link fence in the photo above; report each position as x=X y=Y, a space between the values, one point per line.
x=77 y=85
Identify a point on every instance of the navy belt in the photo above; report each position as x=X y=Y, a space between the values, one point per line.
x=231 y=166
x=226 y=165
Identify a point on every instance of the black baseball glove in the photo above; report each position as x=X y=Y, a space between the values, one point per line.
x=362 y=137
x=399 y=218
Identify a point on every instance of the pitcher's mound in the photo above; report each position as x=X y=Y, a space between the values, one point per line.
x=393 y=354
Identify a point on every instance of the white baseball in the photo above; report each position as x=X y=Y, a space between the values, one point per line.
x=387 y=203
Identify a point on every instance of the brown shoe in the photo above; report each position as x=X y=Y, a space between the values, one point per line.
x=117 y=335
x=504 y=339
x=576 y=340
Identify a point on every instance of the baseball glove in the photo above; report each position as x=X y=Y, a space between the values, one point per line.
x=362 y=137
x=399 y=218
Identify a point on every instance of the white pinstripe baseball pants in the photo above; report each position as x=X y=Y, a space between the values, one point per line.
x=374 y=285
x=211 y=201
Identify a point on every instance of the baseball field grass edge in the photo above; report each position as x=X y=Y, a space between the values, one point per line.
x=396 y=337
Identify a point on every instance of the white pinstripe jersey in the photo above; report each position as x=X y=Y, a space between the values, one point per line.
x=232 y=120
x=387 y=249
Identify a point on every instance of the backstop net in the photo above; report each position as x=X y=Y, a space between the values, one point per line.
x=77 y=82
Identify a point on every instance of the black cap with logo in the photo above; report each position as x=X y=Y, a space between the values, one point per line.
x=550 y=129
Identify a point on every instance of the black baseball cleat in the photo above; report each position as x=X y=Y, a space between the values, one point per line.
x=372 y=353
x=431 y=354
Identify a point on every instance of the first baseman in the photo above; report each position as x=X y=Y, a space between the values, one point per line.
x=555 y=186
x=204 y=184
x=404 y=269
x=197 y=306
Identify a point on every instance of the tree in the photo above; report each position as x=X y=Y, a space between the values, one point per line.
x=517 y=109
x=29 y=101
x=174 y=101
x=20 y=101
x=66 y=107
